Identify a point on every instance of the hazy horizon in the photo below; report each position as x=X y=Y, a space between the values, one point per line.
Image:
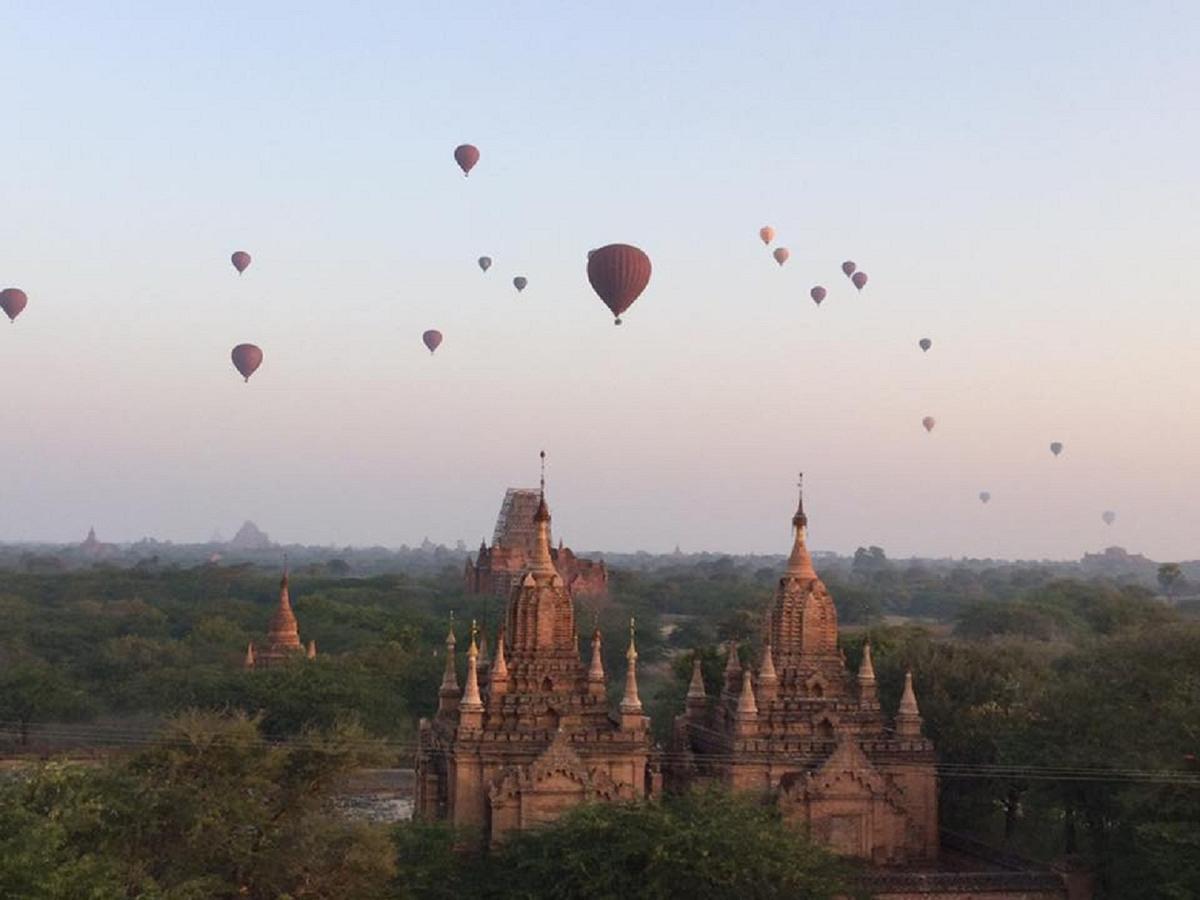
x=1019 y=183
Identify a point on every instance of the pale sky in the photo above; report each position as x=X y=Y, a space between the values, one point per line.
x=1019 y=180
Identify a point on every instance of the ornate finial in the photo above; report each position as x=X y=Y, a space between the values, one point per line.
x=631 y=653
x=800 y=520
x=542 y=455
x=543 y=512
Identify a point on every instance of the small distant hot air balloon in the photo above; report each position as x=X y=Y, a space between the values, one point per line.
x=432 y=339
x=12 y=301
x=781 y=255
x=767 y=233
x=1056 y=448
x=241 y=261
x=984 y=496
x=818 y=294
x=925 y=344
x=1108 y=516
x=519 y=283
x=848 y=268
x=929 y=422
x=618 y=274
x=859 y=279
x=485 y=262
x=466 y=155
x=246 y=359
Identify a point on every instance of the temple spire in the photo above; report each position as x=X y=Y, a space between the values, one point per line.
x=867 y=693
x=498 y=679
x=595 y=675
x=631 y=704
x=542 y=562
x=696 y=685
x=747 y=708
x=471 y=701
x=908 y=717
x=449 y=686
x=799 y=562
x=768 y=681
x=733 y=668
x=283 y=631
x=312 y=650
x=249 y=661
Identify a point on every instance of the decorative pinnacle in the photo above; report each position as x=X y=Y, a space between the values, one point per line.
x=450 y=641
x=543 y=512
x=800 y=520
x=631 y=653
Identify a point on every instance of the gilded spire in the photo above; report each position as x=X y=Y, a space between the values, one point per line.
x=696 y=686
x=249 y=661
x=471 y=701
x=312 y=650
x=542 y=562
x=631 y=704
x=908 y=717
x=799 y=562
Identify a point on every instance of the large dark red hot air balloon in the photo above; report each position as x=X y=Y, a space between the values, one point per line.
x=818 y=294
x=767 y=234
x=466 y=155
x=781 y=255
x=848 y=268
x=618 y=273
x=925 y=344
x=519 y=283
x=241 y=261
x=246 y=359
x=929 y=422
x=432 y=339
x=859 y=279
x=12 y=301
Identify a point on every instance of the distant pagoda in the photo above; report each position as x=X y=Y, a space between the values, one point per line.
x=283 y=636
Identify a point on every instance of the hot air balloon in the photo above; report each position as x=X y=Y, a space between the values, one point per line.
x=925 y=344
x=984 y=496
x=848 y=268
x=767 y=233
x=246 y=359
x=485 y=262
x=519 y=283
x=466 y=155
x=781 y=255
x=929 y=422
x=432 y=339
x=1056 y=448
x=12 y=301
x=1108 y=516
x=818 y=294
x=241 y=261
x=618 y=273
x=859 y=279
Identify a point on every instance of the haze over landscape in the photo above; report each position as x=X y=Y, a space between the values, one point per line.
x=1018 y=182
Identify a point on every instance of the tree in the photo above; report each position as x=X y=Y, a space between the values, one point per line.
x=699 y=845
x=1169 y=575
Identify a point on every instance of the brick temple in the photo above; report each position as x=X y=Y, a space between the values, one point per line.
x=531 y=734
x=497 y=569
x=283 y=636
x=806 y=734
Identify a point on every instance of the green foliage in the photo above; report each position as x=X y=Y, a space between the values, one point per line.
x=698 y=845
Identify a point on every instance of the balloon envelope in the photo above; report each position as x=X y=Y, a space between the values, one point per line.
x=767 y=233
x=241 y=261
x=984 y=496
x=1056 y=448
x=929 y=422
x=925 y=344
x=818 y=294
x=12 y=301
x=1109 y=517
x=848 y=268
x=246 y=359
x=485 y=262
x=859 y=279
x=432 y=339
x=466 y=155
x=519 y=282
x=781 y=255
x=618 y=274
